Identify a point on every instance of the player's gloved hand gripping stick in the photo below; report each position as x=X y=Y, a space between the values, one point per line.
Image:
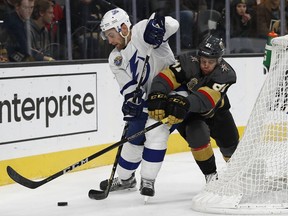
x=153 y=35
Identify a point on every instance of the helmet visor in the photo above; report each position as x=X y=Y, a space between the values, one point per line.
x=111 y=33
x=103 y=36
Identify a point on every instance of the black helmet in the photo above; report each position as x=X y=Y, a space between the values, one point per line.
x=211 y=47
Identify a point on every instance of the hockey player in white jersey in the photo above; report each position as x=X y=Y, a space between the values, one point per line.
x=132 y=44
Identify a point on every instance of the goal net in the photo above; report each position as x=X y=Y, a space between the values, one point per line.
x=255 y=180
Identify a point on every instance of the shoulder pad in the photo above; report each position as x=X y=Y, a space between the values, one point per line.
x=190 y=64
x=224 y=73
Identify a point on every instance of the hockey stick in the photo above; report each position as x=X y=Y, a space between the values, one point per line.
x=104 y=194
x=144 y=67
x=99 y=194
x=35 y=184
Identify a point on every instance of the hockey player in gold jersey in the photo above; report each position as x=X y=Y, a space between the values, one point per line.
x=204 y=113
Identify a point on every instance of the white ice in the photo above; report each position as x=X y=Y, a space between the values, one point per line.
x=178 y=181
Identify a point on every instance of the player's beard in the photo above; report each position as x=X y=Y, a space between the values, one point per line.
x=120 y=45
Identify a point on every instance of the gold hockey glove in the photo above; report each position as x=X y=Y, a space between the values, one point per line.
x=157 y=102
x=177 y=108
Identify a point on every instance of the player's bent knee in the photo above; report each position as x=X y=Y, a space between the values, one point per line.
x=227 y=152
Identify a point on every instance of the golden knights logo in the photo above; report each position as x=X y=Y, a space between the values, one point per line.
x=191 y=84
x=224 y=67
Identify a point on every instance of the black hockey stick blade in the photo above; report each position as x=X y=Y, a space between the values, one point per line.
x=104 y=194
x=14 y=175
x=98 y=194
x=21 y=179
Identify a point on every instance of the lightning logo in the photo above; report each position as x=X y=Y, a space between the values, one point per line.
x=135 y=71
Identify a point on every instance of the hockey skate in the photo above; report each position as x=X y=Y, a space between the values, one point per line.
x=119 y=184
x=147 y=189
x=211 y=177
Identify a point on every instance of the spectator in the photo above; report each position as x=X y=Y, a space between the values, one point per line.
x=276 y=26
x=194 y=5
x=41 y=16
x=241 y=19
x=3 y=54
x=16 y=24
x=85 y=20
x=268 y=12
x=218 y=5
x=6 y=7
x=53 y=27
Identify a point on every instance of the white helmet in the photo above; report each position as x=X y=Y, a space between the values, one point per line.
x=114 y=19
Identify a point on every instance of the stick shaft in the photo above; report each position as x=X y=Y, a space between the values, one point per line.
x=35 y=184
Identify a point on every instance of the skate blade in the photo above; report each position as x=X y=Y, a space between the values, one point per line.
x=146 y=198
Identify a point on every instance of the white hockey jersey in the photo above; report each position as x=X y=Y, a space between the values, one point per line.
x=127 y=64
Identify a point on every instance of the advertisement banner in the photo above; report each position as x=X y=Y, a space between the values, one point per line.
x=45 y=106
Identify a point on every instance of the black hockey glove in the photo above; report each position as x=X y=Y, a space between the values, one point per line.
x=133 y=105
x=157 y=102
x=177 y=109
x=154 y=31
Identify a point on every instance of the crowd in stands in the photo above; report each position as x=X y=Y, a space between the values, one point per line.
x=36 y=30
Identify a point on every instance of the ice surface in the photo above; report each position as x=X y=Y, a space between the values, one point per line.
x=178 y=181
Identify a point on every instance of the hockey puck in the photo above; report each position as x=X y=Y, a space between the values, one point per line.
x=62 y=203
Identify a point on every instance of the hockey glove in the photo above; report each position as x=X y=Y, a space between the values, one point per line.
x=177 y=109
x=154 y=31
x=157 y=102
x=133 y=105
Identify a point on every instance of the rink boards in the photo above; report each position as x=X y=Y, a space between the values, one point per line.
x=54 y=115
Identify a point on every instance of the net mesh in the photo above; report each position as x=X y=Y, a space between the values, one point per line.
x=255 y=178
